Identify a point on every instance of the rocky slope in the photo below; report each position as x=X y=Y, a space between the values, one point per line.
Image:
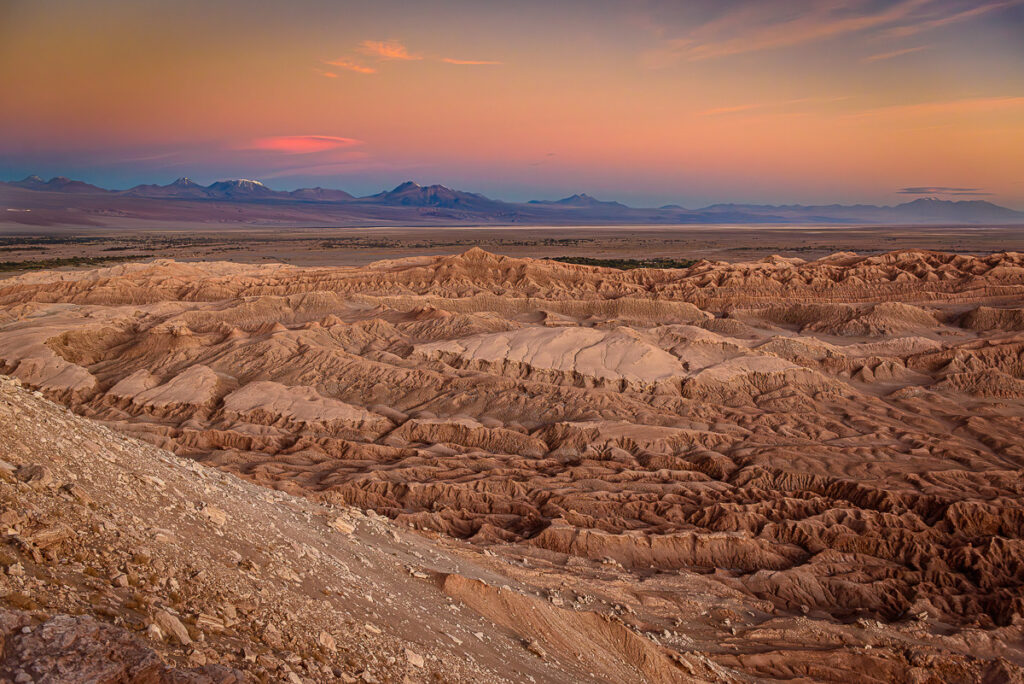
x=778 y=469
x=124 y=563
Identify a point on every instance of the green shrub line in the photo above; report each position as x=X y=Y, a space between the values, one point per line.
x=626 y=264
x=40 y=264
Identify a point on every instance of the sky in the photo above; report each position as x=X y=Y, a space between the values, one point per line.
x=649 y=103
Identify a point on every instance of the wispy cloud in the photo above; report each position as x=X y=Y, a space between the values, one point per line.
x=351 y=66
x=974 y=105
x=387 y=49
x=941 y=190
x=146 y=157
x=478 y=62
x=717 y=111
x=770 y=25
x=394 y=51
x=349 y=163
x=301 y=144
x=895 y=53
x=761 y=25
x=946 y=20
x=731 y=110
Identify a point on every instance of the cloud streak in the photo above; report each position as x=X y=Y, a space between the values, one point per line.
x=942 y=190
x=768 y=25
x=731 y=110
x=351 y=66
x=938 y=22
x=773 y=24
x=350 y=163
x=301 y=144
x=474 y=62
x=895 y=53
x=393 y=51
x=718 y=111
x=975 y=105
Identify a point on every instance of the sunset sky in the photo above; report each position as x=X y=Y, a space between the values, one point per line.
x=643 y=102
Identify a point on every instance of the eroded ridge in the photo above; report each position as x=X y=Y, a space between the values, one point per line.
x=827 y=442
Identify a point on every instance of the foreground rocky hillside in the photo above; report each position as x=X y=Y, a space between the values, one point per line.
x=124 y=563
x=770 y=470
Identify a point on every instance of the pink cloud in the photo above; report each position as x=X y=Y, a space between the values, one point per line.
x=452 y=60
x=301 y=144
x=386 y=49
x=352 y=66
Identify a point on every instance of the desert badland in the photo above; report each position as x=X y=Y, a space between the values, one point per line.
x=771 y=469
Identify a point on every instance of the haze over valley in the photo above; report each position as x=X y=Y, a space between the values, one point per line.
x=62 y=201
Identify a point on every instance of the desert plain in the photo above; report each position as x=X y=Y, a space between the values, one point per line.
x=118 y=240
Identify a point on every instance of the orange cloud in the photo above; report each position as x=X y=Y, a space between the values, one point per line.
x=452 y=60
x=301 y=144
x=352 y=66
x=386 y=49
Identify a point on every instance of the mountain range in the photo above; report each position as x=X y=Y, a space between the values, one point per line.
x=62 y=200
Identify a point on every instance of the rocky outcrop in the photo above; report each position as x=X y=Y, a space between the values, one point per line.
x=70 y=649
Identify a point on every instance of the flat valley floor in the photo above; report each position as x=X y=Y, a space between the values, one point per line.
x=359 y=246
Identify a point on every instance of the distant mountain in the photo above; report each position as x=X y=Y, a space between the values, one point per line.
x=234 y=190
x=410 y=203
x=962 y=210
x=56 y=184
x=183 y=187
x=32 y=182
x=320 y=195
x=241 y=189
x=581 y=200
x=925 y=210
x=410 y=194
